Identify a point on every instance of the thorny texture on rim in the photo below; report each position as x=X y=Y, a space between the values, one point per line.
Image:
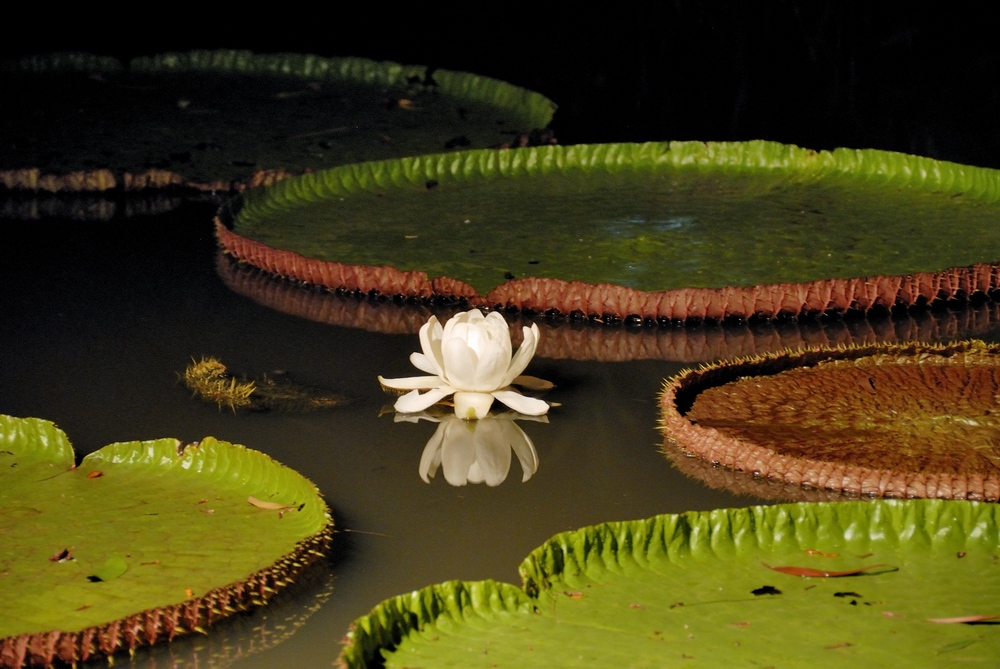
x=607 y=301
x=163 y=623
x=883 y=421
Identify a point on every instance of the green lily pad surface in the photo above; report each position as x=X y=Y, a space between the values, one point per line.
x=721 y=589
x=653 y=217
x=221 y=115
x=149 y=534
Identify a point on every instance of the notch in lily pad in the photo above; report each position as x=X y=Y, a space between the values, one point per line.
x=673 y=588
x=119 y=579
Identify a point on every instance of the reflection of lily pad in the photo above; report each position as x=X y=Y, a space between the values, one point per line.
x=650 y=232
x=910 y=420
x=236 y=638
x=209 y=118
x=745 y=483
x=579 y=340
x=143 y=541
x=696 y=588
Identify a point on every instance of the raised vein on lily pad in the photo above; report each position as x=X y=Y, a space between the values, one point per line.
x=472 y=358
x=142 y=542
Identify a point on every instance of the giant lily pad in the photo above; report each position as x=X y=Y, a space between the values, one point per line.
x=908 y=420
x=579 y=340
x=208 y=119
x=650 y=232
x=142 y=541
x=797 y=585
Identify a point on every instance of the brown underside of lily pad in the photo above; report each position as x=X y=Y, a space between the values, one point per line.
x=612 y=302
x=908 y=420
x=580 y=339
x=164 y=623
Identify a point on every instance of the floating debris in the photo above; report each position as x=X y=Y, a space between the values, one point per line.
x=209 y=379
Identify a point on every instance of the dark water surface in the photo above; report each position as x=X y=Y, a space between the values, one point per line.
x=99 y=319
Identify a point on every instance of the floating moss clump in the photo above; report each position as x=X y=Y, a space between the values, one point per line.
x=209 y=379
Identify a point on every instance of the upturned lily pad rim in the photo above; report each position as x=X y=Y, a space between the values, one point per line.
x=354 y=69
x=743 y=455
x=708 y=542
x=536 y=109
x=607 y=302
x=39 y=442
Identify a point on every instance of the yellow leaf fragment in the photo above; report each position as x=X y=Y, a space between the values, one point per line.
x=270 y=506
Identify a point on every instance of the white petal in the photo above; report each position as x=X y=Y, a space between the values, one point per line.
x=458 y=451
x=492 y=452
x=425 y=363
x=529 y=406
x=423 y=415
x=471 y=316
x=460 y=363
x=472 y=406
x=430 y=459
x=415 y=401
x=430 y=344
x=497 y=330
x=524 y=354
x=494 y=359
x=476 y=474
x=460 y=322
x=496 y=319
x=523 y=447
x=412 y=382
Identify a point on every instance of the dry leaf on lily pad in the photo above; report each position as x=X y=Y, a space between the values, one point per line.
x=909 y=420
x=691 y=590
x=164 y=543
x=647 y=233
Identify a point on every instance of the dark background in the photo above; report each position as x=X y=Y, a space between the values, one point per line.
x=816 y=74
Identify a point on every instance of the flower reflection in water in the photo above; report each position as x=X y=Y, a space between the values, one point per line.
x=476 y=451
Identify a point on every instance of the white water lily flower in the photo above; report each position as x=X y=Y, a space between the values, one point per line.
x=472 y=358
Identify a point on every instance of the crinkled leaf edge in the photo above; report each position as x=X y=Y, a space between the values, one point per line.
x=805 y=165
x=938 y=526
x=196 y=613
